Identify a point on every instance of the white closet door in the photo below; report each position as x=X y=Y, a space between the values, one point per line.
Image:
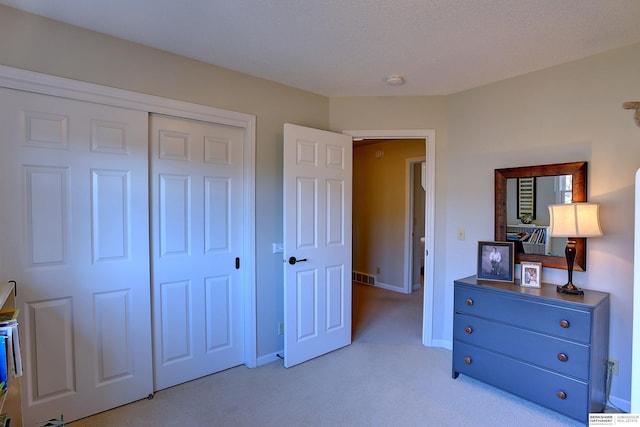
x=74 y=236
x=197 y=238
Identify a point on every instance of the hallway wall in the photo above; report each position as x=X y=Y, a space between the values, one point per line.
x=379 y=200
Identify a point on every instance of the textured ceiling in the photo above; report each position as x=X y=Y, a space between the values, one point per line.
x=349 y=47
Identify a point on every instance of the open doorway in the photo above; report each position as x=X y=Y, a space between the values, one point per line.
x=405 y=269
x=385 y=230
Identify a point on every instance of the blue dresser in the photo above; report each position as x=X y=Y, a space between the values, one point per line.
x=546 y=347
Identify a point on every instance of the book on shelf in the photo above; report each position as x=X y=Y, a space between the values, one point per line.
x=7 y=333
x=524 y=237
x=13 y=354
x=4 y=378
x=9 y=317
x=17 y=351
x=537 y=236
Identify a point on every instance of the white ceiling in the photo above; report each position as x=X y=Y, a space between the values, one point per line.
x=349 y=47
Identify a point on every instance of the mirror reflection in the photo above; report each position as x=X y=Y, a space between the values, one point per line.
x=523 y=208
x=528 y=216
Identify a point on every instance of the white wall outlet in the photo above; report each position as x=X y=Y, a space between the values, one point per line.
x=280 y=328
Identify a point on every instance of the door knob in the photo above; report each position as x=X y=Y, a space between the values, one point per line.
x=293 y=260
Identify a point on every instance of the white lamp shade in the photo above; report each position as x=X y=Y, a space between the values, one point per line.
x=575 y=220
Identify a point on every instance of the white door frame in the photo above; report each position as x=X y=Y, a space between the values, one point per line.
x=14 y=78
x=410 y=179
x=429 y=135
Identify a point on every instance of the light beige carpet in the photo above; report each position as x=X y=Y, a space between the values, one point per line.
x=386 y=317
x=368 y=383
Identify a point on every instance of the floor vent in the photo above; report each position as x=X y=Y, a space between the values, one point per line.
x=363 y=278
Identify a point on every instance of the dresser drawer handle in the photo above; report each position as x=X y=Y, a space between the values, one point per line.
x=469 y=301
x=561 y=395
x=467 y=360
x=562 y=357
x=468 y=329
x=564 y=323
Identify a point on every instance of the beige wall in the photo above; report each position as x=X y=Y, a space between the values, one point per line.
x=37 y=44
x=566 y=113
x=379 y=197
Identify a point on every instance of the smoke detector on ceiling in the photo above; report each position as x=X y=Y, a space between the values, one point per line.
x=395 y=80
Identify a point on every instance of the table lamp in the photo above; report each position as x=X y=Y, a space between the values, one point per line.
x=573 y=220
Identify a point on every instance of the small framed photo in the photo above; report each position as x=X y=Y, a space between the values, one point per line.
x=496 y=261
x=531 y=273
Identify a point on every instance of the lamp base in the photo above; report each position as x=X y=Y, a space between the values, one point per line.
x=570 y=289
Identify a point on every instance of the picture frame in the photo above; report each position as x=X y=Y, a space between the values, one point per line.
x=531 y=274
x=496 y=261
x=527 y=197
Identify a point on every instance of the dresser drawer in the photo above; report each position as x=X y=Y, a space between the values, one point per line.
x=557 y=354
x=526 y=313
x=554 y=391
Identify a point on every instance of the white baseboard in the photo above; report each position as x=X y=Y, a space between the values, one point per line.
x=624 y=405
x=442 y=344
x=389 y=287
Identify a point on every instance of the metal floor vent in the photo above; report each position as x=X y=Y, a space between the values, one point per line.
x=363 y=278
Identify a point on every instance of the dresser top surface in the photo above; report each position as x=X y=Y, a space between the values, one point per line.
x=547 y=291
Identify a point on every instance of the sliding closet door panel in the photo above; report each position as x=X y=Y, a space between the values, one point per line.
x=197 y=208
x=74 y=210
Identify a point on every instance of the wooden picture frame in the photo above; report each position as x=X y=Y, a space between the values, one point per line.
x=531 y=274
x=496 y=261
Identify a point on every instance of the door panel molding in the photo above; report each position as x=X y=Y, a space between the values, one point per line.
x=14 y=78
x=81 y=259
x=196 y=235
x=317 y=176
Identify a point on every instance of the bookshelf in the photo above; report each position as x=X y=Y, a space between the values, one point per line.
x=534 y=238
x=10 y=402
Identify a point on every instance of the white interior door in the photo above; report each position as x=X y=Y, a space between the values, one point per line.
x=74 y=235
x=317 y=242
x=197 y=193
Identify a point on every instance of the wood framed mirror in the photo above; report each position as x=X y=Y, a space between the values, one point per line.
x=505 y=192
